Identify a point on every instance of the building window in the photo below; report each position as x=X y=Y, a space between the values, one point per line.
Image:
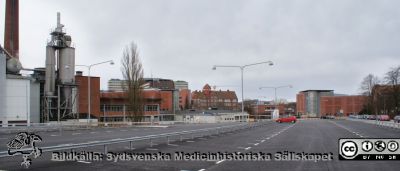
x=151 y=108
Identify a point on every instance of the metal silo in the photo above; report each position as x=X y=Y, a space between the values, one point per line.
x=50 y=71
x=60 y=87
x=66 y=65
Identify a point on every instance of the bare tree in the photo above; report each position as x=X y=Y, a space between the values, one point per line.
x=367 y=85
x=392 y=78
x=132 y=71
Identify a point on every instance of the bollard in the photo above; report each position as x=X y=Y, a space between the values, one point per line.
x=167 y=140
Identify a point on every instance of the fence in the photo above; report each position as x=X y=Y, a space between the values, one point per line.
x=390 y=124
x=203 y=132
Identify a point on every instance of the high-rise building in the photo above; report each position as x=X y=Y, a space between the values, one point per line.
x=181 y=85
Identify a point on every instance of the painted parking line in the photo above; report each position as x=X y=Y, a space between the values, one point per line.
x=218 y=162
x=81 y=161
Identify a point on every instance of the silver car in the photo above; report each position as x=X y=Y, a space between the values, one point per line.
x=396 y=119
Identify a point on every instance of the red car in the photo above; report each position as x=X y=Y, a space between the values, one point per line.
x=292 y=119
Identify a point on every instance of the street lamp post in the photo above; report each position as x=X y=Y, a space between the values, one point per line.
x=275 y=89
x=242 y=67
x=89 y=93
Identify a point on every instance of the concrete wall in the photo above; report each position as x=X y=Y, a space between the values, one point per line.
x=2 y=85
x=35 y=102
x=18 y=100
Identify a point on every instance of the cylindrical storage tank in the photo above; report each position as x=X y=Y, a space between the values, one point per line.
x=67 y=65
x=66 y=98
x=49 y=85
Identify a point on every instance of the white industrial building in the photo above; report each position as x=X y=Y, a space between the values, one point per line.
x=208 y=117
x=19 y=97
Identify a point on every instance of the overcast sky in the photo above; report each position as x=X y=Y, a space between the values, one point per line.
x=314 y=44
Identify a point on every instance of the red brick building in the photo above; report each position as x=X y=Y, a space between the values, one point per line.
x=341 y=105
x=209 y=99
x=113 y=105
x=184 y=99
x=317 y=103
x=82 y=82
x=264 y=111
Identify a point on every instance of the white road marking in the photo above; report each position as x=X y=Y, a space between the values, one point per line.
x=76 y=133
x=123 y=130
x=152 y=149
x=81 y=161
x=173 y=145
x=54 y=135
x=129 y=148
x=247 y=148
x=202 y=138
x=241 y=147
x=262 y=141
x=202 y=169
x=218 y=162
x=93 y=132
x=93 y=141
x=268 y=138
x=190 y=141
x=256 y=144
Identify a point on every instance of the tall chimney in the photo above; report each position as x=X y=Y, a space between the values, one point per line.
x=11 y=31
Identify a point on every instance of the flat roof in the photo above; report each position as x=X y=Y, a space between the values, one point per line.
x=317 y=90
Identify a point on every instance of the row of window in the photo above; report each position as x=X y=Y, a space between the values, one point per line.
x=120 y=108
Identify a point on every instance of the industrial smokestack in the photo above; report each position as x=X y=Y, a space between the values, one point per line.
x=11 y=31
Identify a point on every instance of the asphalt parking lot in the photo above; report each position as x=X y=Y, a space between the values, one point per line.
x=308 y=136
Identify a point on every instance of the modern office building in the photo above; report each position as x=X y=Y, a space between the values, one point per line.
x=317 y=103
x=308 y=102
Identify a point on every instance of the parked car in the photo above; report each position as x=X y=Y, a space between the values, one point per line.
x=371 y=117
x=396 y=119
x=383 y=117
x=292 y=119
x=328 y=117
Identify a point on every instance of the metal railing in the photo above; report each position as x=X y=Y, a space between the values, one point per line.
x=390 y=124
x=150 y=138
